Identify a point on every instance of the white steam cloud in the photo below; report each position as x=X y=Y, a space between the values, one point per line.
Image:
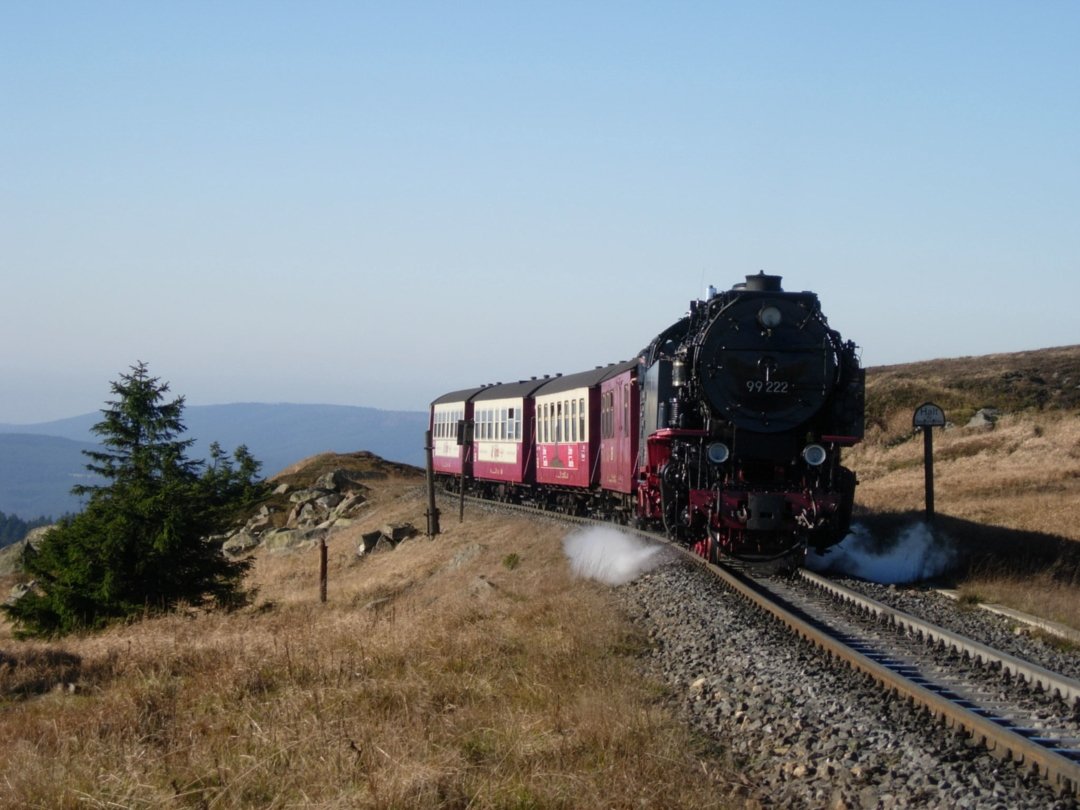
x=610 y=556
x=916 y=553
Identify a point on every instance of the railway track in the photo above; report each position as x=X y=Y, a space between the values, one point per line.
x=977 y=690
x=1017 y=710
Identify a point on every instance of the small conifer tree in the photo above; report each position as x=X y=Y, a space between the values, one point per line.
x=144 y=542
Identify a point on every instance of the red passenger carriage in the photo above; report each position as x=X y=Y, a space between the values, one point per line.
x=502 y=438
x=448 y=456
x=567 y=430
x=620 y=402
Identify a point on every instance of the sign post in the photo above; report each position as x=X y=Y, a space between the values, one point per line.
x=927 y=417
x=432 y=510
x=322 y=568
x=464 y=440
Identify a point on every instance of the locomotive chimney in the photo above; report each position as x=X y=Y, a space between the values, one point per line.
x=763 y=283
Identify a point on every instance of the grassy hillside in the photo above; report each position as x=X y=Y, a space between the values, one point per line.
x=1036 y=382
x=468 y=671
x=1007 y=497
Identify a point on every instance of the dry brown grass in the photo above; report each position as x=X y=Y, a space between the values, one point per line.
x=438 y=675
x=1024 y=474
x=1008 y=497
x=1039 y=595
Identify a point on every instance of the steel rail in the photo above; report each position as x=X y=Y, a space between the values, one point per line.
x=1060 y=771
x=1066 y=688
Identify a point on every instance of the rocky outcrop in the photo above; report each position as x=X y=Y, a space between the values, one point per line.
x=19 y=590
x=304 y=517
x=10 y=556
x=386 y=539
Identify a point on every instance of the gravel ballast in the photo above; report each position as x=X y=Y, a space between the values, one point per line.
x=799 y=728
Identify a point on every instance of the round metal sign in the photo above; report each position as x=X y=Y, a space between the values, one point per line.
x=928 y=415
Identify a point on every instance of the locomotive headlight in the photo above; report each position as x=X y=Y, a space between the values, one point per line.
x=718 y=452
x=814 y=455
x=769 y=317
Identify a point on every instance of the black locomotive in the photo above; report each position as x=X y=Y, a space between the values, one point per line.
x=746 y=403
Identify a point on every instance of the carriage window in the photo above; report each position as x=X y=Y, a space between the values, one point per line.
x=573 y=421
x=581 y=420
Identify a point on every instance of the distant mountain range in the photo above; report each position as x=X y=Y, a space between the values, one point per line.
x=40 y=463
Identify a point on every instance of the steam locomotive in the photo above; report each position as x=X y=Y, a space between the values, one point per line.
x=726 y=431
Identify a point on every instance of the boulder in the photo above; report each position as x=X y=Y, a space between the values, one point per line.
x=328 y=502
x=984 y=418
x=340 y=481
x=278 y=541
x=350 y=505
x=398 y=531
x=34 y=536
x=240 y=543
x=19 y=590
x=259 y=523
x=373 y=542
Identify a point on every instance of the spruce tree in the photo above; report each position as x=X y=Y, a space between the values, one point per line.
x=144 y=542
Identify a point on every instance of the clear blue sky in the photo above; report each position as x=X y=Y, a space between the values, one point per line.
x=375 y=203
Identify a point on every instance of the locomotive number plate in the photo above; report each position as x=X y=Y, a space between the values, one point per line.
x=767 y=386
